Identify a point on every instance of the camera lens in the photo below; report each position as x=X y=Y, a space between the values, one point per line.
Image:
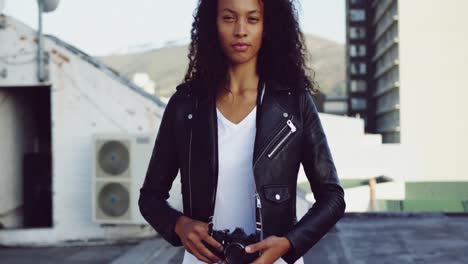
x=234 y=253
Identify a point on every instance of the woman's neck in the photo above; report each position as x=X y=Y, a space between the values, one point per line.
x=242 y=77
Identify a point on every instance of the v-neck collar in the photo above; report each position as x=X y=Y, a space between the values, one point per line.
x=246 y=118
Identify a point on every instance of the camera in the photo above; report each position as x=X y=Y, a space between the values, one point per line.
x=234 y=245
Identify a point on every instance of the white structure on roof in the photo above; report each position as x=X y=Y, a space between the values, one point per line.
x=360 y=156
x=85 y=98
x=144 y=80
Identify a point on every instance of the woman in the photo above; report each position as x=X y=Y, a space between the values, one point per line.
x=238 y=128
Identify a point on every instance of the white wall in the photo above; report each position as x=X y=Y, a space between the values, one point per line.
x=434 y=85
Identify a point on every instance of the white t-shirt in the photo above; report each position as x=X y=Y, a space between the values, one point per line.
x=235 y=200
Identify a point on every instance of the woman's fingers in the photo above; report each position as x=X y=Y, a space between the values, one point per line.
x=193 y=233
x=205 y=251
x=213 y=242
x=194 y=251
x=199 y=250
x=209 y=239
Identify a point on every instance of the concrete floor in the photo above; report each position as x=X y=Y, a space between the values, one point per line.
x=357 y=238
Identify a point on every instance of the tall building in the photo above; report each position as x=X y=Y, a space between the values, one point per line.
x=373 y=66
x=396 y=52
x=407 y=65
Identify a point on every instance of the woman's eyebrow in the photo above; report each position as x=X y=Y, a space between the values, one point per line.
x=232 y=11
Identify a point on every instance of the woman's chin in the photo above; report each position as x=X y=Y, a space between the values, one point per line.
x=240 y=59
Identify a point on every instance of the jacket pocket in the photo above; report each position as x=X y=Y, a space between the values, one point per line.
x=276 y=193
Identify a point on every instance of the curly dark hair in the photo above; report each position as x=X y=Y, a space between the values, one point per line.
x=282 y=56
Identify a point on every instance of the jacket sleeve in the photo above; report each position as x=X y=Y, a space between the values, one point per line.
x=320 y=170
x=162 y=170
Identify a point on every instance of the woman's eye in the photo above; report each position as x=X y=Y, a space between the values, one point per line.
x=228 y=18
x=253 y=19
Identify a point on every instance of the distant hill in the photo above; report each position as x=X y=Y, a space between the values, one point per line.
x=328 y=62
x=167 y=66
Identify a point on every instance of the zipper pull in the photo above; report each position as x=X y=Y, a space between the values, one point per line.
x=259 y=204
x=291 y=125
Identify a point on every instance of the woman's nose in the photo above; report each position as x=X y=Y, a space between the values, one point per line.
x=240 y=29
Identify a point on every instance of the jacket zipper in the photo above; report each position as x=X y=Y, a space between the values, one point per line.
x=214 y=164
x=259 y=207
x=257 y=196
x=190 y=158
x=289 y=124
x=268 y=146
x=189 y=172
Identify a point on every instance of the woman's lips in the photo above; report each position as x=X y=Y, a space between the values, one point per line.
x=240 y=47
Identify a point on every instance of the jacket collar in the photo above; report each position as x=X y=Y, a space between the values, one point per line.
x=194 y=87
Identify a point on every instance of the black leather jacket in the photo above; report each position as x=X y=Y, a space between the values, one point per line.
x=288 y=133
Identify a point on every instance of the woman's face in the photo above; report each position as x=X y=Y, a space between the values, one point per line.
x=240 y=29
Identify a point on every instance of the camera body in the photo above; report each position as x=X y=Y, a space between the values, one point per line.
x=234 y=245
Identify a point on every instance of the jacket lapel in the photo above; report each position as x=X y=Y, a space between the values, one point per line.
x=271 y=116
x=204 y=155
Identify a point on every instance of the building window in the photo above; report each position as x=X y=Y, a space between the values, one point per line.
x=358 y=103
x=352 y=50
x=358 y=86
x=357 y=50
x=357 y=32
x=362 y=68
x=391 y=137
x=353 y=68
x=358 y=68
x=388 y=101
x=362 y=50
x=357 y=15
x=335 y=107
x=388 y=121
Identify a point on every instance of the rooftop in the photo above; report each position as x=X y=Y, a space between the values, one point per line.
x=357 y=238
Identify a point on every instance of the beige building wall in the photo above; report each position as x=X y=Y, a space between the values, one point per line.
x=434 y=85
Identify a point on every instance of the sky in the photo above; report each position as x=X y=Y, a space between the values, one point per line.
x=101 y=27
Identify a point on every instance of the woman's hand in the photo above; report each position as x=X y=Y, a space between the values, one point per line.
x=191 y=233
x=273 y=247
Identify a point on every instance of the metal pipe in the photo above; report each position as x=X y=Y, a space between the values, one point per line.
x=40 y=48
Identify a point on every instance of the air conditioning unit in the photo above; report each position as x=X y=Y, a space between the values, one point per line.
x=119 y=168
